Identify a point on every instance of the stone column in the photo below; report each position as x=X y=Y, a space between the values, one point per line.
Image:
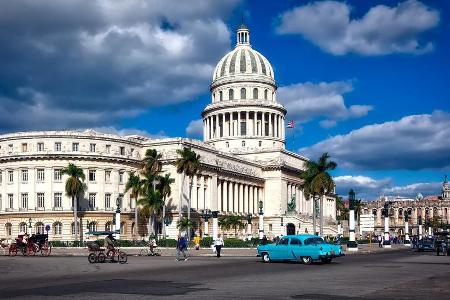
x=245 y=199
x=250 y=202
x=263 y=124
x=225 y=196
x=195 y=199
x=219 y=196
x=239 y=124
x=204 y=129
x=247 y=123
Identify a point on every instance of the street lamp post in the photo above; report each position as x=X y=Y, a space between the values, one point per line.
x=420 y=227
x=206 y=215
x=261 y=219
x=387 y=241
x=352 y=245
x=249 y=226
x=167 y=222
x=215 y=224
x=407 y=242
x=29 y=225
x=117 y=215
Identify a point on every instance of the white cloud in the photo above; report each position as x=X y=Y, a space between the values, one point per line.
x=368 y=188
x=307 y=101
x=414 y=142
x=130 y=131
x=195 y=129
x=113 y=60
x=382 y=30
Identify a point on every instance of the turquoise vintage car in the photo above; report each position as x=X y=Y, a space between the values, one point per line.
x=303 y=247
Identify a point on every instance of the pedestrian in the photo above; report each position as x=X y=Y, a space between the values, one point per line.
x=380 y=240
x=197 y=240
x=181 y=248
x=218 y=243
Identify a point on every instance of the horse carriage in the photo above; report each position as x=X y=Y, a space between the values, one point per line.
x=35 y=243
x=97 y=253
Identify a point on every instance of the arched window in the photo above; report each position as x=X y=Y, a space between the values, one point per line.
x=57 y=228
x=220 y=96
x=266 y=94
x=255 y=93
x=40 y=228
x=123 y=227
x=108 y=226
x=23 y=227
x=92 y=226
x=231 y=94
x=72 y=228
x=8 y=229
x=243 y=93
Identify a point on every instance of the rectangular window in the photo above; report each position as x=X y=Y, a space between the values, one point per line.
x=243 y=128
x=10 y=200
x=58 y=146
x=120 y=200
x=92 y=147
x=24 y=147
x=10 y=176
x=57 y=199
x=107 y=200
x=57 y=175
x=122 y=150
x=40 y=200
x=270 y=227
x=107 y=176
x=108 y=149
x=24 y=200
x=121 y=173
x=24 y=175
x=91 y=200
x=40 y=174
x=40 y=147
x=75 y=147
x=91 y=175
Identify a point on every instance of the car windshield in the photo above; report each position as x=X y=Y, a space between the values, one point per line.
x=315 y=240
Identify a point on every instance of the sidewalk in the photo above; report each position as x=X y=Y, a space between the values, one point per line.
x=249 y=252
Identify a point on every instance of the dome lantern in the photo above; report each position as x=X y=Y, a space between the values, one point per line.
x=243 y=35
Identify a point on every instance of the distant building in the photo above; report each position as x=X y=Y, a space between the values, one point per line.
x=426 y=207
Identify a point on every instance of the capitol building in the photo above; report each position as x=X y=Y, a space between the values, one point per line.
x=243 y=162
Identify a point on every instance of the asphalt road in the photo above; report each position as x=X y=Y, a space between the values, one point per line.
x=393 y=275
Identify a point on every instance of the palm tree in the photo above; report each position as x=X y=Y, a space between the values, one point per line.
x=231 y=222
x=74 y=187
x=151 y=203
x=341 y=210
x=165 y=189
x=318 y=183
x=187 y=164
x=134 y=184
x=152 y=162
x=184 y=224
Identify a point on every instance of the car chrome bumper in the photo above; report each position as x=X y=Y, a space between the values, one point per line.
x=331 y=255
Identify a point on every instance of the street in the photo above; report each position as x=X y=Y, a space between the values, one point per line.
x=402 y=274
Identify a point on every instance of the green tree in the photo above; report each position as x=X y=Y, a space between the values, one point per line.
x=151 y=203
x=231 y=222
x=341 y=210
x=184 y=224
x=134 y=184
x=317 y=183
x=74 y=187
x=188 y=164
x=164 y=187
x=151 y=164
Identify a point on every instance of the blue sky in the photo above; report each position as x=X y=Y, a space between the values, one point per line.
x=366 y=81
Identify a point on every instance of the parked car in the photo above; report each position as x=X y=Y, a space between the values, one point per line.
x=304 y=247
x=425 y=244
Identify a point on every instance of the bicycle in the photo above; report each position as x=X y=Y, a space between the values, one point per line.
x=122 y=257
x=148 y=252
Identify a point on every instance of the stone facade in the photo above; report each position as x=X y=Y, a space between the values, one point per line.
x=243 y=162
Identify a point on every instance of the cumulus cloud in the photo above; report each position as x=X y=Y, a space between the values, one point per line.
x=91 y=63
x=307 y=101
x=195 y=129
x=414 y=142
x=130 y=131
x=382 y=30
x=368 y=188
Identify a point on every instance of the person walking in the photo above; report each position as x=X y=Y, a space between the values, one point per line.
x=380 y=240
x=181 y=248
x=218 y=243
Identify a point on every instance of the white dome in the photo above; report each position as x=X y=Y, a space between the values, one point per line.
x=243 y=60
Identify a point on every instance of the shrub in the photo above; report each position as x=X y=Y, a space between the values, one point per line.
x=236 y=243
x=206 y=241
x=167 y=243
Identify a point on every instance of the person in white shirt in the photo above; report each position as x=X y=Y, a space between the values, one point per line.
x=218 y=243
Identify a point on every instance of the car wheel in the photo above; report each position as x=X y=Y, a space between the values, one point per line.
x=307 y=260
x=265 y=257
x=326 y=260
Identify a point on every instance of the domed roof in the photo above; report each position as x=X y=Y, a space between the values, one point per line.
x=243 y=60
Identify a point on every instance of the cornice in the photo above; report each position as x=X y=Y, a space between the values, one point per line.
x=64 y=156
x=240 y=104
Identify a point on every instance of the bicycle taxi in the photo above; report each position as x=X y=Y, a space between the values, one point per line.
x=97 y=252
